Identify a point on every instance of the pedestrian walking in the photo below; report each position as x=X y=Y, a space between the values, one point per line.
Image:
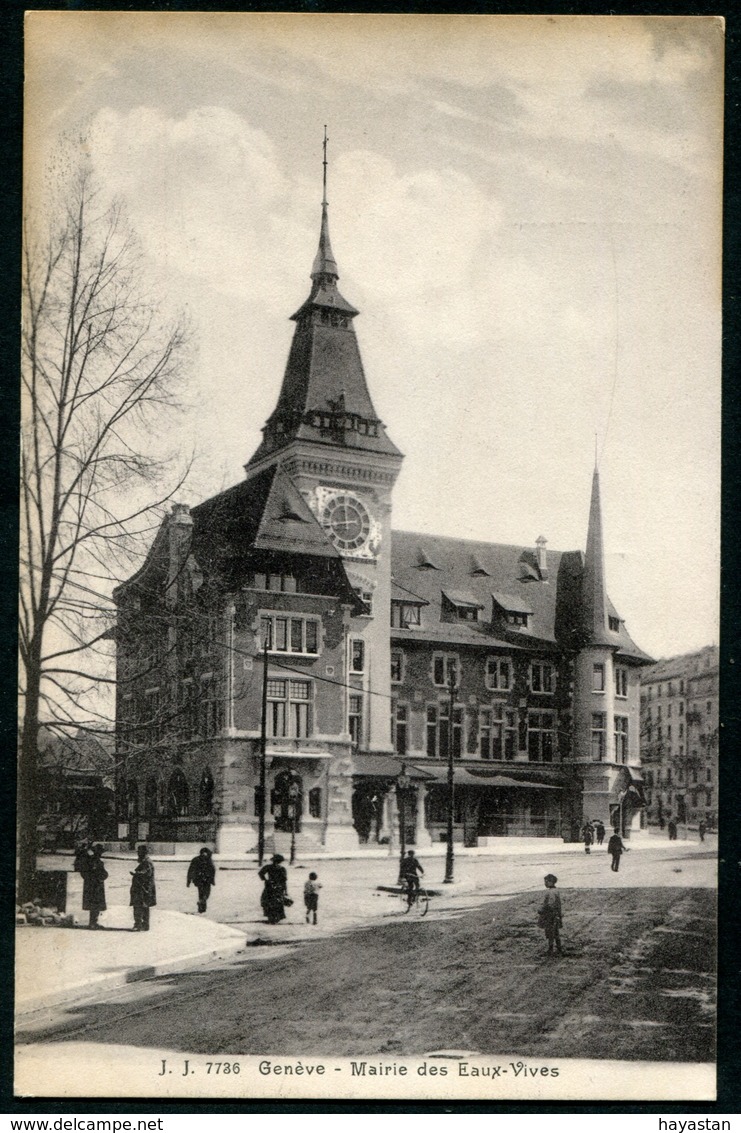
x=599 y=832
x=550 y=917
x=274 y=896
x=94 y=876
x=143 y=891
x=311 y=896
x=202 y=874
x=588 y=836
x=701 y=828
x=615 y=847
x=672 y=828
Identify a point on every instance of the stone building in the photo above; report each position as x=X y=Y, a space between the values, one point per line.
x=679 y=727
x=288 y=602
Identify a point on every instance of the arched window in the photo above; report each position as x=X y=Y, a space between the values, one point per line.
x=132 y=799
x=150 y=798
x=178 y=794
x=206 y=792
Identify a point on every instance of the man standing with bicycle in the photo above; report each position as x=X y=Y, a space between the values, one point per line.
x=409 y=872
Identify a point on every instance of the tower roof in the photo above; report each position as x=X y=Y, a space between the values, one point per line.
x=594 y=593
x=324 y=396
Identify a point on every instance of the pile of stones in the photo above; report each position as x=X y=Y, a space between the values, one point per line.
x=34 y=913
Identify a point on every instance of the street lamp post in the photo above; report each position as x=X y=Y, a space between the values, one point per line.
x=263 y=749
x=451 y=787
x=403 y=783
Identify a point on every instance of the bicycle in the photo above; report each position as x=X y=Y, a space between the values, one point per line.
x=412 y=897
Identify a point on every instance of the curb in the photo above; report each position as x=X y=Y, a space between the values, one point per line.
x=87 y=989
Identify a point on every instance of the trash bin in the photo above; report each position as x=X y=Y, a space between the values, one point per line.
x=50 y=887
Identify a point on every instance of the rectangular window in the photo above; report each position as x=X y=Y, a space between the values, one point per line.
x=438 y=731
x=188 y=716
x=497 y=733
x=510 y=734
x=152 y=729
x=598 y=678
x=498 y=673
x=599 y=735
x=681 y=708
x=355 y=720
x=542 y=676
x=444 y=665
x=614 y=623
x=486 y=726
x=621 y=739
x=357 y=656
x=211 y=707
x=621 y=682
x=397 y=666
x=399 y=725
x=366 y=597
x=289 y=709
x=709 y=775
x=432 y=728
x=290 y=634
x=541 y=736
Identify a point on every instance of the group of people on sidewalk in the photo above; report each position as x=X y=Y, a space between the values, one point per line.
x=143 y=891
x=201 y=873
x=595 y=832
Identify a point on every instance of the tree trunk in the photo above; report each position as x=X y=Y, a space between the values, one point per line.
x=28 y=799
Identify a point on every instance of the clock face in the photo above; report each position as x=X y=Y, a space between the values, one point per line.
x=347 y=522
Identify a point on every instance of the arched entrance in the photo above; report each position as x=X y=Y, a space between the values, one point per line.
x=287 y=801
x=368 y=798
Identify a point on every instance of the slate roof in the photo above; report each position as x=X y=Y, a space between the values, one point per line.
x=459 y=566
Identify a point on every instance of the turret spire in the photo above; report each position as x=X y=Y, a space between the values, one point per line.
x=324 y=397
x=594 y=592
x=325 y=265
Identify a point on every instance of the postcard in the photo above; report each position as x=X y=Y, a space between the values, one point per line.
x=369 y=556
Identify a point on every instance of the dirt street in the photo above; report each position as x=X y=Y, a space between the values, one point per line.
x=637 y=982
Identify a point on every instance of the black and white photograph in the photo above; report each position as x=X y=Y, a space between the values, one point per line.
x=369 y=578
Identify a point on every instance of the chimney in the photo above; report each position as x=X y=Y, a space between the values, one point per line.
x=542 y=555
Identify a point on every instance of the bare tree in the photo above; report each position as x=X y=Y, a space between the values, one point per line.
x=100 y=372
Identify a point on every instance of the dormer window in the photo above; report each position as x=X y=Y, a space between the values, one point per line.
x=459 y=606
x=512 y=610
x=405 y=615
x=614 y=623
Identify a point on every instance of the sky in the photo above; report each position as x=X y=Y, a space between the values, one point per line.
x=525 y=210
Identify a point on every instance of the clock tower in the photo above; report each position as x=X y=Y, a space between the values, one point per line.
x=327 y=437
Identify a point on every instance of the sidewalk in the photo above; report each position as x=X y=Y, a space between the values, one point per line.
x=59 y=965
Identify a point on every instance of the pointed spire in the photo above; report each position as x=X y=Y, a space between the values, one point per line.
x=324 y=261
x=594 y=593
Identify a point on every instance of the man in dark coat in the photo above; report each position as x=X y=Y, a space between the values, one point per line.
x=615 y=847
x=672 y=830
x=94 y=875
x=143 y=892
x=599 y=831
x=202 y=874
x=588 y=835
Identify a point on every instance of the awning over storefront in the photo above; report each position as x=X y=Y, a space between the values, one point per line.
x=385 y=767
x=466 y=777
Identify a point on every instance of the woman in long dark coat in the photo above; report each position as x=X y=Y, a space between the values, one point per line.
x=143 y=892
x=94 y=875
x=275 y=889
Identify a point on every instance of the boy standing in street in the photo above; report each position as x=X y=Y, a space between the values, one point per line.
x=550 y=918
x=311 y=896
